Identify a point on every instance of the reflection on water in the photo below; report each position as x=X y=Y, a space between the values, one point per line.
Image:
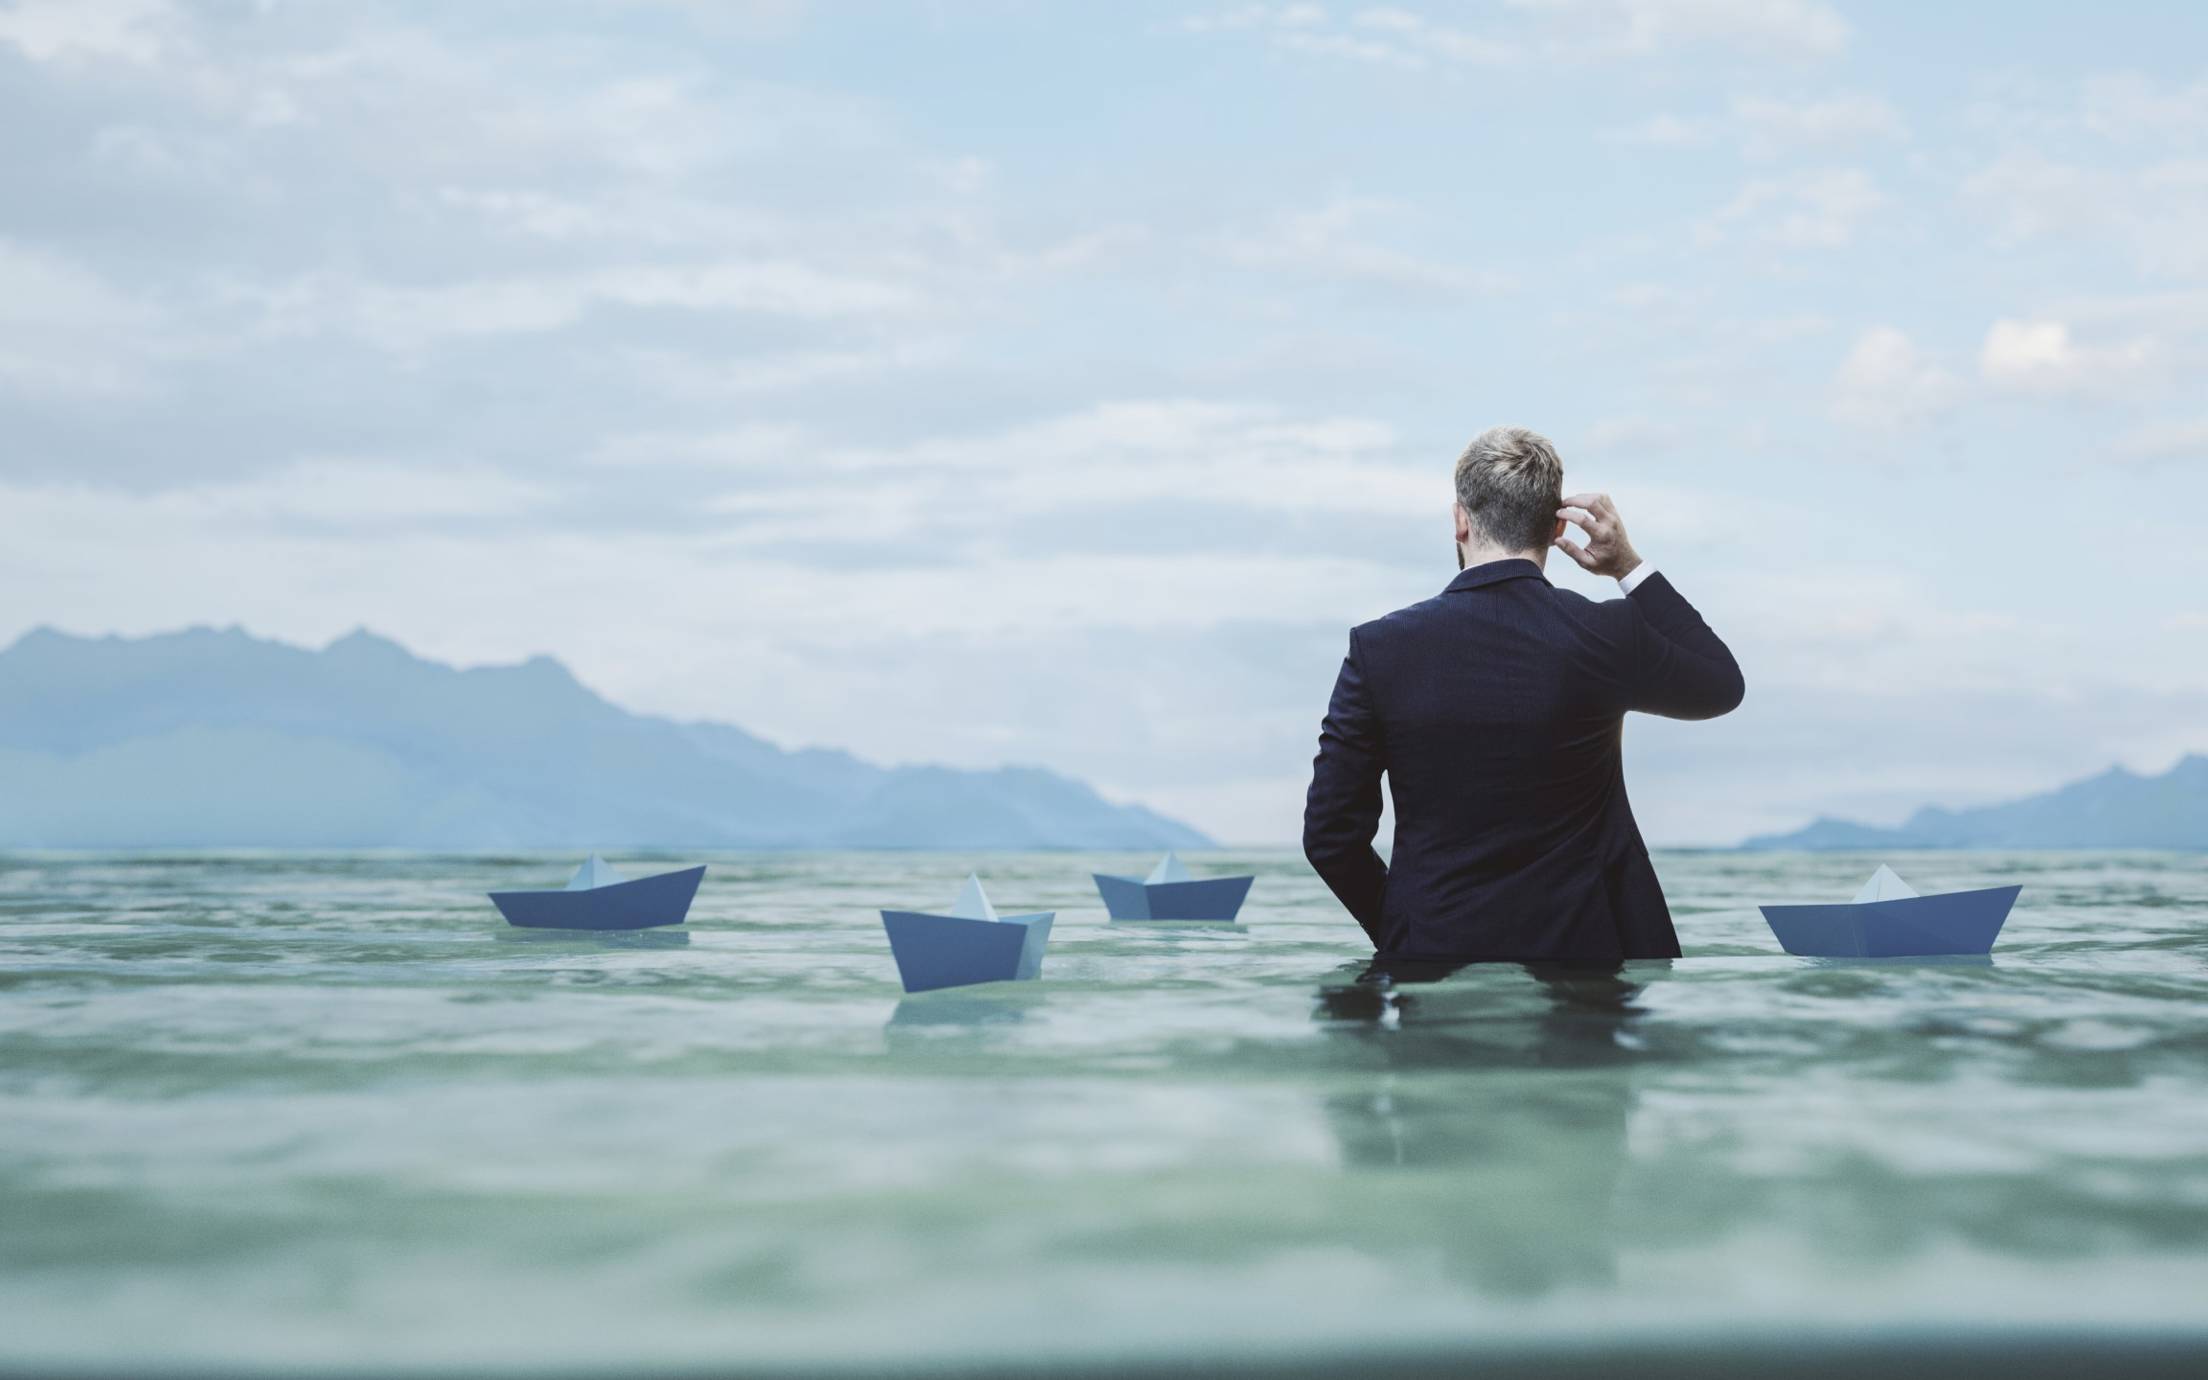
x=1196 y=926
x=1913 y=961
x=659 y=937
x=333 y=1113
x=1527 y=1139
x=988 y=1004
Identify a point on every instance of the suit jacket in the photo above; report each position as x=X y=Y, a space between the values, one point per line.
x=1496 y=710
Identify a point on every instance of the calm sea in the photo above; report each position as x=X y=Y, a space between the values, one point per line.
x=332 y=1113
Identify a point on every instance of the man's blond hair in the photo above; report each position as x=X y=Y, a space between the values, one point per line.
x=1511 y=482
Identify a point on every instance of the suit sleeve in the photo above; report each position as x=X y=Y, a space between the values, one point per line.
x=1342 y=812
x=1681 y=669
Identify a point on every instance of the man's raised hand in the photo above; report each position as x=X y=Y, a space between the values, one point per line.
x=1608 y=550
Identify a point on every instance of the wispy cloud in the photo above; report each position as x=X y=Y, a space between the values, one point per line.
x=1769 y=127
x=1412 y=38
x=2155 y=213
x=1341 y=239
x=2164 y=442
x=1821 y=209
x=64 y=329
x=1164 y=454
x=410 y=316
x=1784 y=28
x=1386 y=36
x=1890 y=383
x=1772 y=127
x=72 y=31
x=2042 y=357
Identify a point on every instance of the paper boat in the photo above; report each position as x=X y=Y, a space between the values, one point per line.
x=599 y=898
x=971 y=944
x=1169 y=893
x=1887 y=919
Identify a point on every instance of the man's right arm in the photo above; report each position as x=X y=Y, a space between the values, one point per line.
x=1342 y=812
x=1681 y=669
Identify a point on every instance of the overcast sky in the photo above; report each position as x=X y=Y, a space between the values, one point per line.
x=1057 y=383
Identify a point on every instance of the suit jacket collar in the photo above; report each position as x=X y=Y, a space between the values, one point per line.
x=1495 y=572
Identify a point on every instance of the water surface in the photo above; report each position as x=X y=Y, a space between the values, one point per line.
x=330 y=1112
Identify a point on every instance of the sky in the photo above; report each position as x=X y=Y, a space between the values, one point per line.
x=1057 y=383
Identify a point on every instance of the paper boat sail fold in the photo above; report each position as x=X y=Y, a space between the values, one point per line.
x=1171 y=892
x=971 y=944
x=973 y=902
x=1170 y=868
x=599 y=898
x=1888 y=919
x=595 y=872
x=1884 y=885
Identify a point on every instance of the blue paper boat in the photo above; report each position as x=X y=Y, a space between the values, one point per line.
x=599 y=898
x=971 y=944
x=1889 y=920
x=1169 y=893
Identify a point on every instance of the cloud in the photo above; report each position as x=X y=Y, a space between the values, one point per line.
x=66 y=331
x=1423 y=37
x=1821 y=209
x=420 y=533
x=738 y=376
x=1887 y=382
x=1336 y=240
x=407 y=317
x=1387 y=36
x=1638 y=435
x=1668 y=131
x=2109 y=111
x=755 y=445
x=1782 y=28
x=1766 y=127
x=1772 y=127
x=2132 y=105
x=2157 y=213
x=2042 y=357
x=46 y=292
x=1548 y=31
x=2171 y=441
x=1160 y=455
x=68 y=31
x=1237 y=18
x=2027 y=195
x=355 y=494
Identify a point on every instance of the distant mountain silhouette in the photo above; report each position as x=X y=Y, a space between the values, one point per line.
x=216 y=738
x=2117 y=809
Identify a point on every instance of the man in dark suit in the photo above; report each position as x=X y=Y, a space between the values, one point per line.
x=1495 y=710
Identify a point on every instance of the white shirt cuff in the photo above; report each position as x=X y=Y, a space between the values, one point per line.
x=1628 y=581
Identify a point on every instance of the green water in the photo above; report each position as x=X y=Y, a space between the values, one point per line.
x=331 y=1113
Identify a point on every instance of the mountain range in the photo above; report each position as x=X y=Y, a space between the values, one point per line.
x=215 y=738
x=2117 y=809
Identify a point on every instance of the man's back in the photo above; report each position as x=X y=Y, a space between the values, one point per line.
x=1495 y=711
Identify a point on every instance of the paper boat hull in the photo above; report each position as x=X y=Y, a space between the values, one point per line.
x=1955 y=922
x=935 y=951
x=638 y=905
x=1207 y=898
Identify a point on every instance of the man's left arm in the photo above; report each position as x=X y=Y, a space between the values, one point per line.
x=1342 y=812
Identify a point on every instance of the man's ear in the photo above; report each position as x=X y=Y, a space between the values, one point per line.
x=1561 y=524
x=1464 y=522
